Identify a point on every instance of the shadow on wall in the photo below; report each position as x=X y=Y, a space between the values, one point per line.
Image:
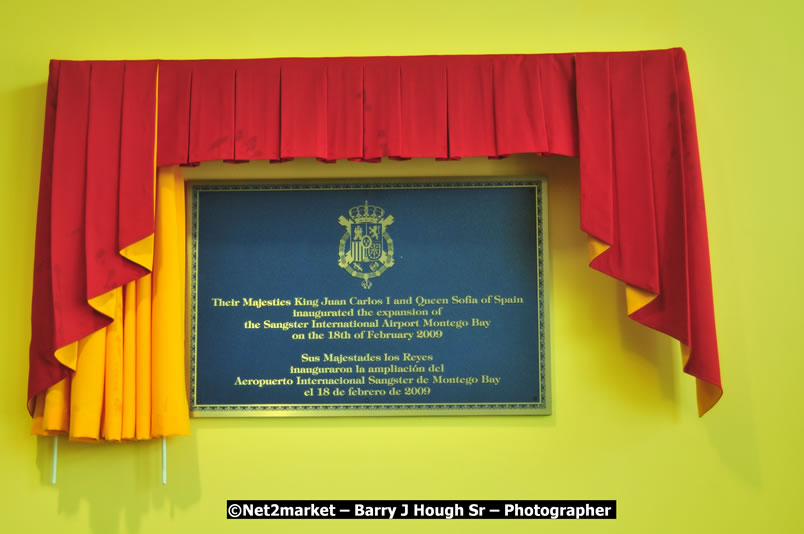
x=648 y=356
x=131 y=488
x=643 y=377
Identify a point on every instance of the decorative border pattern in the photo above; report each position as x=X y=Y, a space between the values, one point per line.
x=244 y=410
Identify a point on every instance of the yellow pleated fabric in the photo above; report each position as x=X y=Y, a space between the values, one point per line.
x=141 y=252
x=635 y=297
x=169 y=392
x=112 y=426
x=68 y=355
x=52 y=411
x=86 y=401
x=596 y=247
x=129 y=415
x=142 y=416
x=130 y=379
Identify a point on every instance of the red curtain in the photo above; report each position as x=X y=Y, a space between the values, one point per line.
x=627 y=115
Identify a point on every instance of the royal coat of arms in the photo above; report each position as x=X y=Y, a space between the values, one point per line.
x=366 y=249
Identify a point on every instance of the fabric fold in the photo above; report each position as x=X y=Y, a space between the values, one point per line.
x=44 y=367
x=257 y=98
x=470 y=108
x=169 y=405
x=107 y=391
x=382 y=110
x=212 y=111
x=520 y=125
x=641 y=194
x=138 y=163
x=303 y=112
x=74 y=318
x=106 y=269
x=628 y=116
x=423 y=108
x=173 y=128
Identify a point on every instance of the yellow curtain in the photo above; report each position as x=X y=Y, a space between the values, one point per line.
x=635 y=297
x=129 y=380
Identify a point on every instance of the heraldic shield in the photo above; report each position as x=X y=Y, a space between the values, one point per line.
x=366 y=249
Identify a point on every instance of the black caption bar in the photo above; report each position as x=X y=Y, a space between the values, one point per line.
x=421 y=509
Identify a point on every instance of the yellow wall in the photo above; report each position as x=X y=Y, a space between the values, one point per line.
x=625 y=424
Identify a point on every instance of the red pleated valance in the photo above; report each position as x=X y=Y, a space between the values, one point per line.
x=627 y=115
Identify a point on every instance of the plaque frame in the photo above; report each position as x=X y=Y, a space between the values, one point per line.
x=194 y=187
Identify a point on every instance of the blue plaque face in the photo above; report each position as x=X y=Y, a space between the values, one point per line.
x=380 y=299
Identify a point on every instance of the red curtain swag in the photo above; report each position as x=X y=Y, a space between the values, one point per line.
x=627 y=115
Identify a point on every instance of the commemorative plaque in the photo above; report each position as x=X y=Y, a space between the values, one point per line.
x=387 y=298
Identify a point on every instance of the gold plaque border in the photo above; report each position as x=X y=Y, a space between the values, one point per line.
x=366 y=410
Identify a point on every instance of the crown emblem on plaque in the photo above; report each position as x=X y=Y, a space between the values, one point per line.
x=366 y=213
x=366 y=249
